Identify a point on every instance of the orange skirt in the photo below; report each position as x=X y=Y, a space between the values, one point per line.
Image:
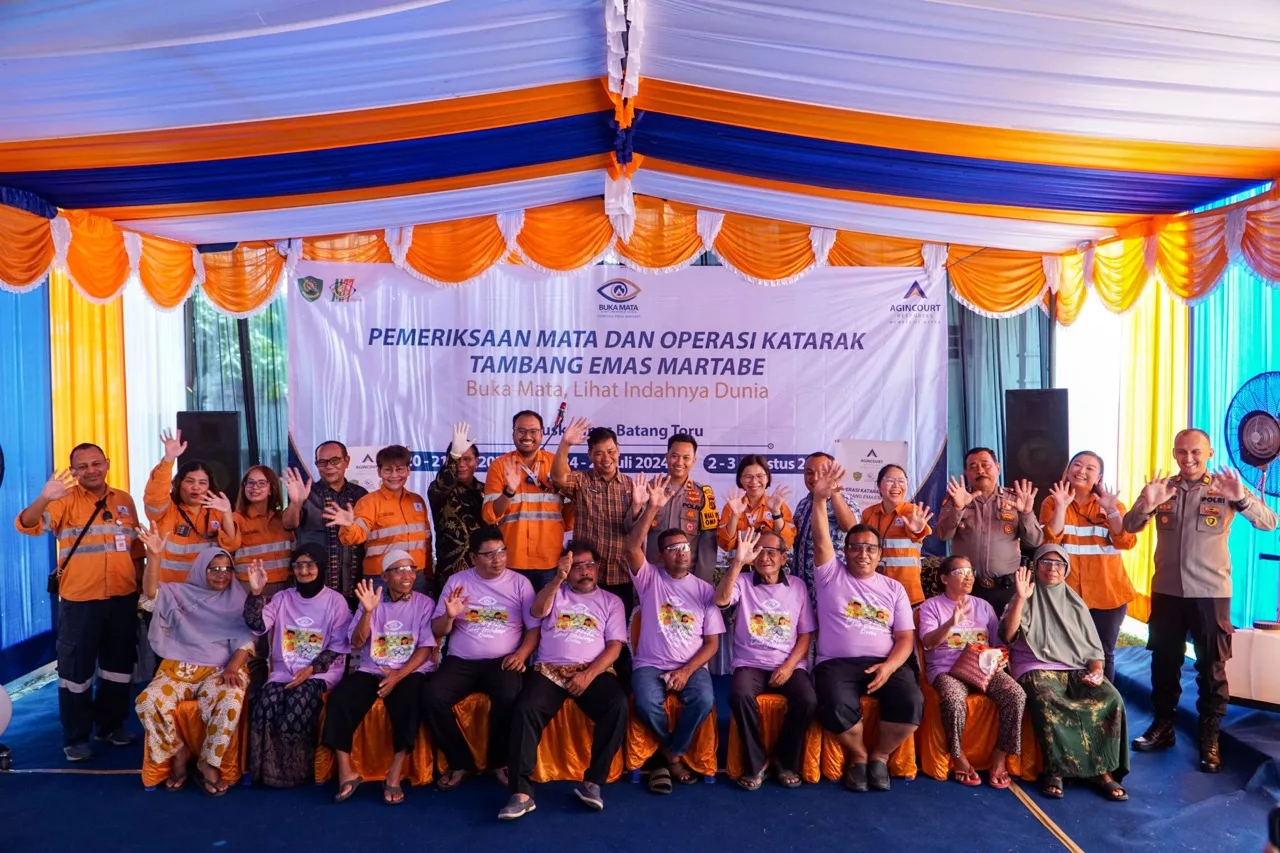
x=830 y=756
x=642 y=743
x=191 y=729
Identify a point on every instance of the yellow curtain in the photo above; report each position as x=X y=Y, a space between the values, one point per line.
x=1119 y=271
x=1193 y=253
x=1071 y=289
x=1261 y=242
x=166 y=270
x=86 y=359
x=566 y=236
x=456 y=251
x=852 y=249
x=764 y=249
x=995 y=281
x=96 y=257
x=362 y=247
x=26 y=247
x=1153 y=406
x=242 y=280
x=666 y=234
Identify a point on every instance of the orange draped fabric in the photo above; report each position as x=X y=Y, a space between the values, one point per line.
x=1192 y=253
x=995 y=281
x=26 y=248
x=831 y=758
x=641 y=743
x=773 y=710
x=666 y=234
x=764 y=249
x=167 y=271
x=980 y=733
x=362 y=247
x=1120 y=272
x=96 y=258
x=456 y=251
x=566 y=236
x=192 y=730
x=371 y=750
x=244 y=279
x=852 y=249
x=1261 y=241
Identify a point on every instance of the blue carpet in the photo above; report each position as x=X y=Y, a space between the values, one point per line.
x=1173 y=807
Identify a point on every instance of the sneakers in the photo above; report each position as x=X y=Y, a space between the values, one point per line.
x=1210 y=757
x=77 y=752
x=589 y=793
x=1159 y=735
x=119 y=737
x=516 y=808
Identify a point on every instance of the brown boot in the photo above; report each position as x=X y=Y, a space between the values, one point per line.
x=1159 y=735
x=1210 y=757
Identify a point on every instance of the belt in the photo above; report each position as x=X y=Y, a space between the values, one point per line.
x=1001 y=581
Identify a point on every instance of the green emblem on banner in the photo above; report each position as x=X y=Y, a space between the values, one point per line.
x=857 y=475
x=310 y=287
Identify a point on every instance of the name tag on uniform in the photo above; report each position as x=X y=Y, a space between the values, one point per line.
x=122 y=542
x=1008 y=516
x=1209 y=509
x=182 y=530
x=1166 y=507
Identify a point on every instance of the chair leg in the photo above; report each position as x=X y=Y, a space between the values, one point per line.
x=635 y=777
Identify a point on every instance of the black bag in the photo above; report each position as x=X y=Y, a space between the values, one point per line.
x=55 y=576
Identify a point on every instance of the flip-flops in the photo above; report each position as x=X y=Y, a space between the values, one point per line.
x=347 y=788
x=999 y=780
x=392 y=795
x=967 y=777
x=211 y=789
x=751 y=783
x=787 y=778
x=1047 y=783
x=1111 y=790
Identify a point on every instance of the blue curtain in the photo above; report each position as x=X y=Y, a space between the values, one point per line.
x=26 y=441
x=1235 y=334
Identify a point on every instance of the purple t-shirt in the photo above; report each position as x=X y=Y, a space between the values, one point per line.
x=979 y=626
x=857 y=618
x=497 y=612
x=302 y=628
x=675 y=614
x=1022 y=660
x=578 y=625
x=771 y=617
x=396 y=630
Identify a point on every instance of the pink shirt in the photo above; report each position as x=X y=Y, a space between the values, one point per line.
x=771 y=617
x=675 y=614
x=857 y=618
x=1022 y=660
x=301 y=628
x=396 y=630
x=980 y=626
x=497 y=612
x=578 y=625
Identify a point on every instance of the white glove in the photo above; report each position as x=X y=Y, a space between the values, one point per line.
x=461 y=444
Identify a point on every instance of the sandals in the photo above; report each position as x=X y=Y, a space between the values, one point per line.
x=855 y=778
x=449 y=781
x=971 y=778
x=392 y=795
x=347 y=788
x=751 y=783
x=999 y=780
x=176 y=783
x=660 y=780
x=787 y=778
x=212 y=789
x=1112 y=791
x=1051 y=787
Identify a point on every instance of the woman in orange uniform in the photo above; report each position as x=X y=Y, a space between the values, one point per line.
x=754 y=508
x=188 y=510
x=260 y=523
x=1085 y=519
x=902 y=526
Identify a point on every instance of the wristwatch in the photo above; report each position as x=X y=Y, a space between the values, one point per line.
x=1240 y=505
x=506 y=490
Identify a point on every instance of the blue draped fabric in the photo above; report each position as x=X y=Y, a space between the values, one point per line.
x=26 y=440
x=1235 y=334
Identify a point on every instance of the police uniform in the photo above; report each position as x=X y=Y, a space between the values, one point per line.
x=1191 y=591
x=990 y=533
x=692 y=510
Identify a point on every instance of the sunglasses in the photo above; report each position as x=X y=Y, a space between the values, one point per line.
x=678 y=546
x=492 y=555
x=219 y=570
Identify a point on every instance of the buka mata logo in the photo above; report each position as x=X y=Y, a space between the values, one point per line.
x=618 y=296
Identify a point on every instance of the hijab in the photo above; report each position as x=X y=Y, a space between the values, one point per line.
x=198 y=625
x=1056 y=624
x=310 y=589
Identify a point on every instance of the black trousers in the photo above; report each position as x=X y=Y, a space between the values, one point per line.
x=802 y=703
x=456 y=680
x=1208 y=621
x=102 y=637
x=604 y=702
x=997 y=596
x=355 y=695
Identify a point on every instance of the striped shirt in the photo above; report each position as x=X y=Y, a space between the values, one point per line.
x=899 y=547
x=188 y=536
x=600 y=509
x=1097 y=569
x=534 y=521
x=263 y=537
x=386 y=522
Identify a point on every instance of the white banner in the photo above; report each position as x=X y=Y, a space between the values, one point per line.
x=377 y=357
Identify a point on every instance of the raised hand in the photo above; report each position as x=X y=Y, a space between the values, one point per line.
x=640 y=490
x=455 y=603
x=777 y=499
x=338 y=516
x=461 y=443
x=57 y=485
x=828 y=479
x=174 y=446
x=562 y=568
x=1024 y=583
x=295 y=486
x=658 y=495
x=576 y=433
x=1062 y=493
x=736 y=502
x=959 y=493
x=216 y=501
x=1024 y=496
x=1157 y=491
x=919 y=517
x=748 y=550
x=300 y=677
x=257 y=577
x=153 y=540
x=1108 y=500
x=511 y=477
x=961 y=611
x=1226 y=482
x=368 y=595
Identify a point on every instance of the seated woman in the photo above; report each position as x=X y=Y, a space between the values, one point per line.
x=198 y=631
x=902 y=527
x=771 y=638
x=307 y=626
x=949 y=622
x=1056 y=656
x=754 y=508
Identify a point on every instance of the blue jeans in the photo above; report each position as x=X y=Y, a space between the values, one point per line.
x=650 y=694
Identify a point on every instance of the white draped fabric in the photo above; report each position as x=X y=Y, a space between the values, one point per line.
x=155 y=357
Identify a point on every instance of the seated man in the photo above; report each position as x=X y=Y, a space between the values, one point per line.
x=583 y=629
x=680 y=628
x=485 y=613
x=866 y=635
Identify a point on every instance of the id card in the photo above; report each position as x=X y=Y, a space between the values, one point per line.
x=122 y=542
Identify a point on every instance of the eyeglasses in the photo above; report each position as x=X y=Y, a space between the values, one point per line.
x=256 y=484
x=219 y=570
x=408 y=568
x=397 y=469
x=1053 y=564
x=589 y=564
x=963 y=571
x=331 y=462
x=678 y=546
x=772 y=552
x=524 y=433
x=861 y=548
x=492 y=555
x=894 y=481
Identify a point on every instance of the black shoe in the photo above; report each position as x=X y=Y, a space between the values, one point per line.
x=1159 y=735
x=119 y=737
x=1210 y=757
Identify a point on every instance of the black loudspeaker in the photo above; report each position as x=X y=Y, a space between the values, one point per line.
x=1036 y=438
x=214 y=439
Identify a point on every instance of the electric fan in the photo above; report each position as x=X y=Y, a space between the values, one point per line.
x=1253 y=431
